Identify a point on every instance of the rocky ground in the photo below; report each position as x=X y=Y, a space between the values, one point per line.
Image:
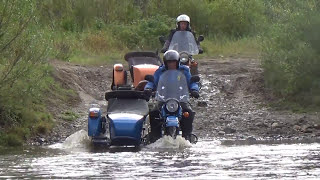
x=232 y=103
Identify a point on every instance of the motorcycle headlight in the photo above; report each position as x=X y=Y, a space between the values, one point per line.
x=184 y=60
x=172 y=105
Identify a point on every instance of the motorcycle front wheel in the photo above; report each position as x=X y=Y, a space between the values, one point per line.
x=171 y=131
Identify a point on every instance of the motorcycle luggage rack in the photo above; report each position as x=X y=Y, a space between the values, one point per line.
x=124 y=87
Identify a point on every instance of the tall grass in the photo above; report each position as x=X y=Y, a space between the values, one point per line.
x=232 y=47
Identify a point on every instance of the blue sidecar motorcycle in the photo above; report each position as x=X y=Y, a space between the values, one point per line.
x=126 y=123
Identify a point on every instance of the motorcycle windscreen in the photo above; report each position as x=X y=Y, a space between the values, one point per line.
x=184 y=41
x=129 y=106
x=172 y=84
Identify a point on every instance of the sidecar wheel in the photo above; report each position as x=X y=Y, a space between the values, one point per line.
x=103 y=125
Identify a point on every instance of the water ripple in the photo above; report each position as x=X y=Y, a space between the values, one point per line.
x=167 y=158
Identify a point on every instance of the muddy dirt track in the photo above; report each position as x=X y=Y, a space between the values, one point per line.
x=232 y=103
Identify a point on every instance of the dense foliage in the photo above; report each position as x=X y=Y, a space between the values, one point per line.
x=24 y=46
x=291 y=51
x=136 y=24
x=31 y=32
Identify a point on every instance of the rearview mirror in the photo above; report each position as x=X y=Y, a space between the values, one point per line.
x=200 y=38
x=149 y=78
x=162 y=40
x=195 y=78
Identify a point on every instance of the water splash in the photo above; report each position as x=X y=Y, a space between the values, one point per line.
x=167 y=142
x=79 y=139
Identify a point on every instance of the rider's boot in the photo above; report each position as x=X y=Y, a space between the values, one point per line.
x=187 y=137
x=155 y=124
x=186 y=126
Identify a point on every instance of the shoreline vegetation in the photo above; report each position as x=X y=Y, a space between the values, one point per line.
x=282 y=34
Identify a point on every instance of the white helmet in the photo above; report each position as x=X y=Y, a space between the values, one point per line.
x=183 y=17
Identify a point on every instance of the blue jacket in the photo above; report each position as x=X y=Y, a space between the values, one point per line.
x=186 y=71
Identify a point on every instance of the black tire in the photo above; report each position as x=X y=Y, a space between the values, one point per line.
x=103 y=125
x=193 y=139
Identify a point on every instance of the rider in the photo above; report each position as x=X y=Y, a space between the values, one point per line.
x=171 y=62
x=183 y=24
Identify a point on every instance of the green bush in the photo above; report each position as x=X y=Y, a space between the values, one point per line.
x=236 y=17
x=14 y=140
x=143 y=34
x=150 y=29
x=10 y=140
x=2 y=139
x=136 y=24
x=228 y=17
x=291 y=54
x=24 y=73
x=43 y=127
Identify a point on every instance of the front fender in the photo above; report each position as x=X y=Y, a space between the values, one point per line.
x=172 y=121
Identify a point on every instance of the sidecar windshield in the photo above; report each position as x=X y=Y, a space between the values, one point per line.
x=172 y=84
x=184 y=41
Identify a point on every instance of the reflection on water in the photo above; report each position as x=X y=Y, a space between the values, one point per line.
x=208 y=159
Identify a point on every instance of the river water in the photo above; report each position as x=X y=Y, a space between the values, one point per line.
x=165 y=159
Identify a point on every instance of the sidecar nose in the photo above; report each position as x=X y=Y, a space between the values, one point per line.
x=125 y=129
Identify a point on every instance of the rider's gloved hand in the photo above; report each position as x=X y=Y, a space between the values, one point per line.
x=147 y=92
x=200 y=50
x=195 y=94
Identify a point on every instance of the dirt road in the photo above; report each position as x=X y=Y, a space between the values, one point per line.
x=232 y=103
